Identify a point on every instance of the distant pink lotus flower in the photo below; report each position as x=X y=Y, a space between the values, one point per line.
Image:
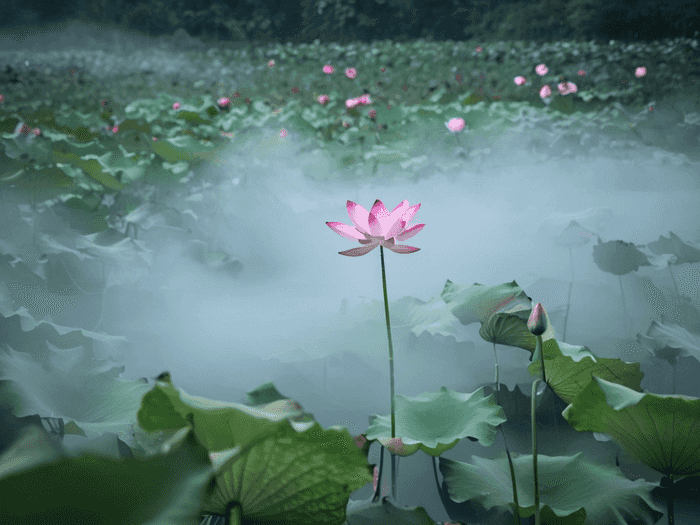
x=383 y=69
x=378 y=227
x=478 y=49
x=271 y=63
x=640 y=72
x=455 y=124
x=283 y=133
x=176 y=106
x=541 y=70
x=223 y=102
x=36 y=132
x=546 y=91
x=328 y=69
x=372 y=113
x=581 y=72
x=361 y=100
x=2 y=98
x=115 y=129
x=567 y=87
x=155 y=139
x=323 y=99
x=520 y=80
x=345 y=124
x=350 y=72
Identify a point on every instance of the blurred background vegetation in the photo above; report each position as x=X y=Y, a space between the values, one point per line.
x=344 y=21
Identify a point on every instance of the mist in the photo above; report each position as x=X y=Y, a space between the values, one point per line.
x=487 y=224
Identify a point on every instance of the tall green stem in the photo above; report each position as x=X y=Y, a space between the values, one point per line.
x=516 y=514
x=673 y=278
x=568 y=300
x=624 y=307
x=533 y=409
x=391 y=374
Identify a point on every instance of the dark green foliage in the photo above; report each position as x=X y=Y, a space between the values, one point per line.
x=343 y=21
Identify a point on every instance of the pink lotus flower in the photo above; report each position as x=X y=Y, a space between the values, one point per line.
x=478 y=49
x=36 y=132
x=2 y=98
x=223 y=102
x=567 y=87
x=350 y=72
x=372 y=113
x=328 y=69
x=322 y=99
x=541 y=70
x=378 y=227
x=546 y=91
x=520 y=80
x=176 y=106
x=581 y=72
x=345 y=124
x=640 y=72
x=271 y=63
x=455 y=124
x=283 y=133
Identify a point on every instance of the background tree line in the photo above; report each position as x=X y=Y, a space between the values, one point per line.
x=366 y=20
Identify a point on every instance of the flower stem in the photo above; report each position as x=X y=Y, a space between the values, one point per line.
x=516 y=513
x=533 y=408
x=391 y=374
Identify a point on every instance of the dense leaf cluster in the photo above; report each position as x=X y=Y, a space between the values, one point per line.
x=343 y=21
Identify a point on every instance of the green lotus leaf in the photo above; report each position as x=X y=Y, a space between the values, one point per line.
x=668 y=341
x=508 y=329
x=435 y=421
x=618 y=257
x=42 y=483
x=574 y=235
x=367 y=512
x=659 y=430
x=585 y=492
x=478 y=302
x=684 y=252
x=72 y=386
x=274 y=469
x=568 y=369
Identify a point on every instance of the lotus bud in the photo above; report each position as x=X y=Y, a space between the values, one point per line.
x=537 y=324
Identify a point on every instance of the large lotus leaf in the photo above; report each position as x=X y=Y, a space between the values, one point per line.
x=568 y=369
x=435 y=317
x=367 y=512
x=668 y=340
x=618 y=257
x=659 y=430
x=43 y=483
x=435 y=421
x=574 y=235
x=476 y=303
x=684 y=252
x=511 y=330
x=281 y=471
x=71 y=386
x=572 y=489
